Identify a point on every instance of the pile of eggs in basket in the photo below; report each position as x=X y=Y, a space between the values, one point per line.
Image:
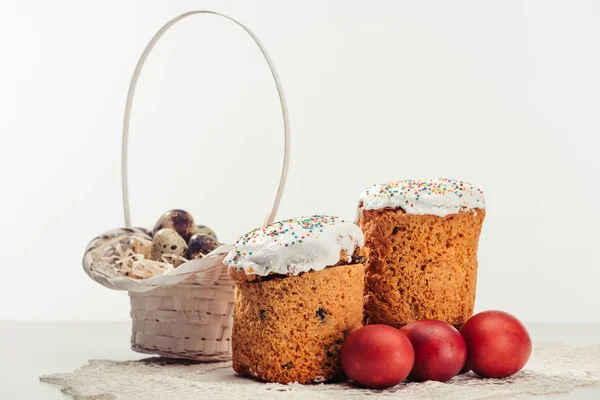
x=176 y=233
x=174 y=240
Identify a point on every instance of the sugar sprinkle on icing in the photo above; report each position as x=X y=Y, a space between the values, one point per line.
x=296 y=245
x=439 y=197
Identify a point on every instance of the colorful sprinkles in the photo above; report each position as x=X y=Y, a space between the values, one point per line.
x=442 y=186
x=289 y=232
x=425 y=196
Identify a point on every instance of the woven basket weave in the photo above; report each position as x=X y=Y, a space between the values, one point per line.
x=192 y=319
x=187 y=320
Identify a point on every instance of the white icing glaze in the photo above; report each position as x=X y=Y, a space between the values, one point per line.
x=296 y=245
x=439 y=197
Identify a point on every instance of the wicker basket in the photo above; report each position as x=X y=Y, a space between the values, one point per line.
x=187 y=320
x=186 y=313
x=189 y=312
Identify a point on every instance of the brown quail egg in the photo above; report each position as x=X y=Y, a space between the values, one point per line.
x=205 y=230
x=178 y=220
x=200 y=245
x=167 y=241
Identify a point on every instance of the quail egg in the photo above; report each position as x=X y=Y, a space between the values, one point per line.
x=200 y=245
x=178 y=220
x=167 y=241
x=205 y=230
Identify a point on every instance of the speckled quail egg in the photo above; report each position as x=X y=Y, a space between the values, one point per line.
x=205 y=230
x=178 y=220
x=200 y=245
x=167 y=241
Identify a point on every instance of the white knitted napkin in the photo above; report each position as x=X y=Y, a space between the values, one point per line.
x=553 y=368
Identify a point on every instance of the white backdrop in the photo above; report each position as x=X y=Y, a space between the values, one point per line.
x=505 y=94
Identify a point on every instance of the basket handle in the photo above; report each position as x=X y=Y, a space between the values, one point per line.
x=131 y=92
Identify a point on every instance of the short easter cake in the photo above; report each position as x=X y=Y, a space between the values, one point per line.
x=299 y=293
x=421 y=239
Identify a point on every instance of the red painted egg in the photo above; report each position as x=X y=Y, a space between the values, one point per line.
x=498 y=344
x=440 y=350
x=377 y=356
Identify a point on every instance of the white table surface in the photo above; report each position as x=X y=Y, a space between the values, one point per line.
x=31 y=349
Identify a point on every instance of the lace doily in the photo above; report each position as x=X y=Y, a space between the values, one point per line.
x=553 y=368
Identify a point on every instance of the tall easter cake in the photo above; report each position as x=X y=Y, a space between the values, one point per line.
x=421 y=239
x=299 y=293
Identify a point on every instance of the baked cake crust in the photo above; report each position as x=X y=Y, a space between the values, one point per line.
x=420 y=266
x=291 y=328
